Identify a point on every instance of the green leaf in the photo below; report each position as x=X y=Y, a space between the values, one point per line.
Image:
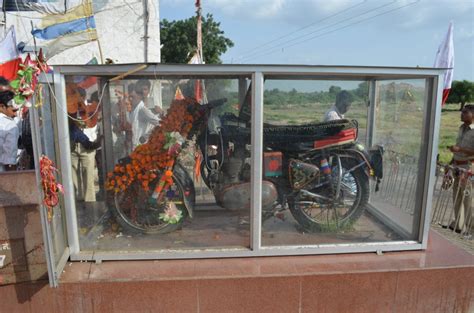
x=15 y=84
x=21 y=72
x=19 y=99
x=28 y=76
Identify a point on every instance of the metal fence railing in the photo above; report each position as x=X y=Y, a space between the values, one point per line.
x=452 y=200
x=398 y=186
x=452 y=185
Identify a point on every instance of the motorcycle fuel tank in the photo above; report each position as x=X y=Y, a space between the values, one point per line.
x=237 y=196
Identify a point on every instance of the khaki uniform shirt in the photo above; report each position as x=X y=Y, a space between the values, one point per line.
x=465 y=140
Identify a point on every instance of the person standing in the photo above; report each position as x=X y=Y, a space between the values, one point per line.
x=82 y=156
x=26 y=159
x=145 y=86
x=141 y=118
x=463 y=158
x=9 y=131
x=342 y=105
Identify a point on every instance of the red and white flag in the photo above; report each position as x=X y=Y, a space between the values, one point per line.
x=9 y=55
x=445 y=59
x=198 y=88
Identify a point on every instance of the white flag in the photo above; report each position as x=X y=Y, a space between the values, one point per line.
x=9 y=55
x=54 y=7
x=445 y=59
x=8 y=49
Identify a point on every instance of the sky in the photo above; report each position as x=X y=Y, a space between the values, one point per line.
x=339 y=32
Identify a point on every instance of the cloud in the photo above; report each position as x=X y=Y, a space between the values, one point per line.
x=465 y=33
x=429 y=13
x=286 y=10
x=253 y=9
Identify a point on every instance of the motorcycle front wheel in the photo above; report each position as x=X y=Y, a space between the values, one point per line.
x=324 y=214
x=135 y=212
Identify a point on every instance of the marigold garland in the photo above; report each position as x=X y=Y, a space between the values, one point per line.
x=158 y=151
x=49 y=185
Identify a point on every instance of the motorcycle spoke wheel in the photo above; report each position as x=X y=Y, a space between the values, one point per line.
x=322 y=215
x=135 y=213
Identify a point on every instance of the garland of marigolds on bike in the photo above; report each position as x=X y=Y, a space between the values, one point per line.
x=158 y=151
x=49 y=185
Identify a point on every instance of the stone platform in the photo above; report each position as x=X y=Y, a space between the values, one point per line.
x=439 y=279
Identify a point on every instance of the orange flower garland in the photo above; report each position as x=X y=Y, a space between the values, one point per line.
x=49 y=185
x=153 y=155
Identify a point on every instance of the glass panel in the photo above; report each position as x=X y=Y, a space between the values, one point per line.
x=316 y=175
x=399 y=128
x=48 y=148
x=175 y=171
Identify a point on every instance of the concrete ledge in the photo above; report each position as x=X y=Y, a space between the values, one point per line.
x=18 y=188
x=430 y=291
x=436 y=280
x=21 y=235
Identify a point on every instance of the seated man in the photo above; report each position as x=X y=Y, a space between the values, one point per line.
x=342 y=105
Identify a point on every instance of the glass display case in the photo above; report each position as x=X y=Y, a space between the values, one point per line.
x=197 y=161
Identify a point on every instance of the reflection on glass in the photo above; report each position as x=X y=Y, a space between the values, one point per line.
x=314 y=159
x=398 y=127
x=175 y=158
x=47 y=144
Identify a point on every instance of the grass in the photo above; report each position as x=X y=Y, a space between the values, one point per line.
x=450 y=122
x=403 y=132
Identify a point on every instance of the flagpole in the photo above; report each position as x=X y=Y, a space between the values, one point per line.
x=4 y=22
x=34 y=38
x=100 y=51
x=145 y=25
x=199 y=30
x=200 y=83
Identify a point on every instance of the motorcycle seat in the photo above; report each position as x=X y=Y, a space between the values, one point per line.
x=290 y=134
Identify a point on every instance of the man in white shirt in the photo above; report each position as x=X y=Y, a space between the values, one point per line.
x=141 y=118
x=9 y=131
x=342 y=105
x=145 y=86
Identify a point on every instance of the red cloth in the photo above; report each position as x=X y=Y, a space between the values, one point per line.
x=9 y=69
x=198 y=91
x=445 y=95
x=88 y=82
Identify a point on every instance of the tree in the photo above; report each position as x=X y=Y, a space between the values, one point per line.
x=179 y=40
x=362 y=91
x=334 y=90
x=461 y=92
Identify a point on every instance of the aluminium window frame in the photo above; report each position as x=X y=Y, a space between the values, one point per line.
x=432 y=113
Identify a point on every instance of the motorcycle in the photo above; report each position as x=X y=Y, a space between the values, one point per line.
x=317 y=171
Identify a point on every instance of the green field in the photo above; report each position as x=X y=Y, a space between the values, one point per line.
x=397 y=126
x=450 y=122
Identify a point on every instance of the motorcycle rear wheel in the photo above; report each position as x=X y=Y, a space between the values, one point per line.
x=137 y=215
x=321 y=216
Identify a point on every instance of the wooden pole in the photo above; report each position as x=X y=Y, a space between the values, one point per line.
x=34 y=39
x=199 y=30
x=100 y=51
x=121 y=76
x=146 y=18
